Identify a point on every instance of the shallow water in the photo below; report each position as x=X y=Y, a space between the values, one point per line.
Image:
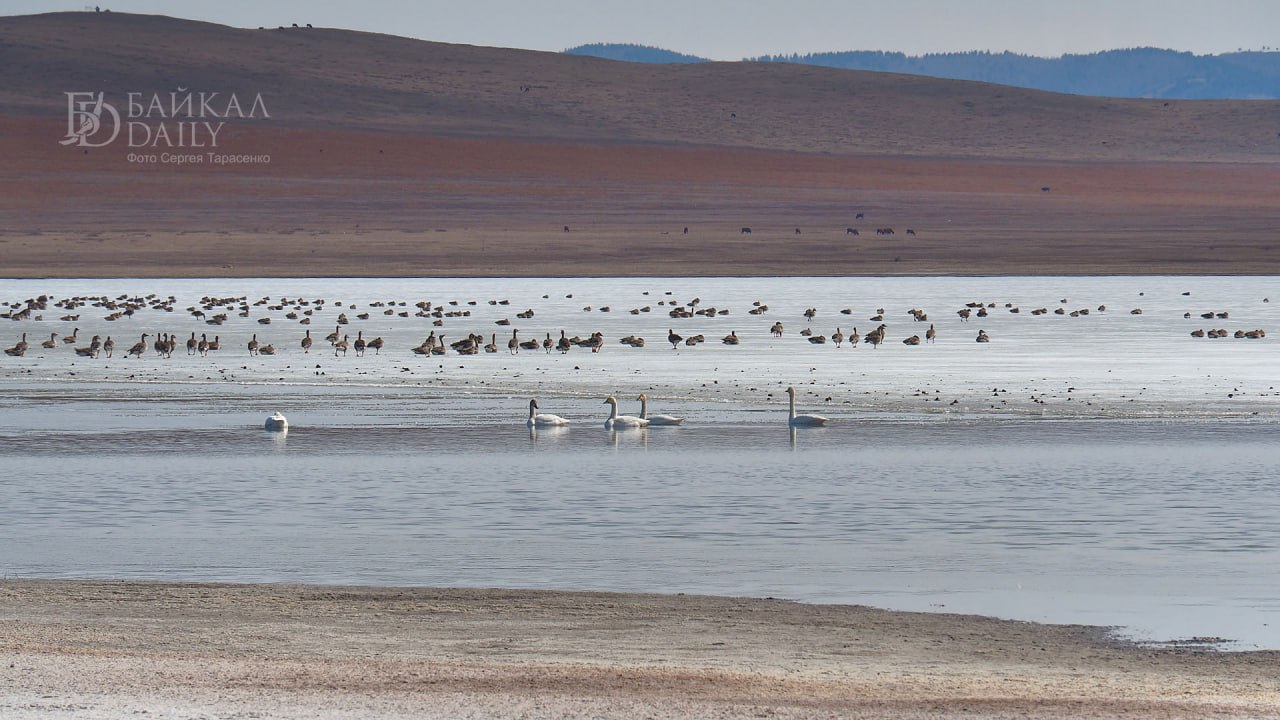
x=1166 y=528
x=1134 y=492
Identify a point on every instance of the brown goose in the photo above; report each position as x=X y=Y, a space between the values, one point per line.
x=138 y=347
x=19 y=349
x=92 y=349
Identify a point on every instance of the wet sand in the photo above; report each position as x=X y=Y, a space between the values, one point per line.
x=111 y=649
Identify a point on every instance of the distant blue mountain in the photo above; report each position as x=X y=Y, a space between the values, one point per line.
x=1136 y=72
x=633 y=53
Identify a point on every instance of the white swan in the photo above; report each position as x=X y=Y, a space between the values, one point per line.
x=656 y=419
x=795 y=420
x=277 y=423
x=621 y=422
x=543 y=419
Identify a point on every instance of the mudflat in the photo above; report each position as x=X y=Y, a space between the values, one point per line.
x=113 y=648
x=340 y=204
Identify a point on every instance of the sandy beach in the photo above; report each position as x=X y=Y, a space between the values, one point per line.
x=105 y=649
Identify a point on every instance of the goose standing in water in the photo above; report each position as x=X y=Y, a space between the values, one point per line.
x=620 y=422
x=306 y=343
x=537 y=419
x=51 y=343
x=109 y=347
x=656 y=419
x=795 y=420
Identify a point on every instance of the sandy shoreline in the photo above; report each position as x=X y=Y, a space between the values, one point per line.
x=101 y=649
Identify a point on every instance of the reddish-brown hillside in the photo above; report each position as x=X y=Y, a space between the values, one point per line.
x=398 y=156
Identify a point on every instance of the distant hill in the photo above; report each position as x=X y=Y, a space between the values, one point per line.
x=343 y=80
x=1133 y=73
x=629 y=52
x=1136 y=73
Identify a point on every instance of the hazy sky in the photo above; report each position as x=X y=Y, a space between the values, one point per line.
x=732 y=29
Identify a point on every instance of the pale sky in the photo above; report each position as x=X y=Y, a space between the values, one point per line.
x=733 y=29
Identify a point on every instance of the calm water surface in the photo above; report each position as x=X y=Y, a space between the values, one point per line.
x=1168 y=528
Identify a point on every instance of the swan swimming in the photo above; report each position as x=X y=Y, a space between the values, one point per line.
x=277 y=423
x=620 y=422
x=656 y=419
x=543 y=419
x=795 y=420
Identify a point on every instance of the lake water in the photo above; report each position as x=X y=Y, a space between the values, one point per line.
x=1157 y=515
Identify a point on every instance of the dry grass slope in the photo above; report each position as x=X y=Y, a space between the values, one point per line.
x=392 y=156
x=342 y=79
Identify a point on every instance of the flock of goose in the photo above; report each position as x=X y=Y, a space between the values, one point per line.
x=216 y=311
